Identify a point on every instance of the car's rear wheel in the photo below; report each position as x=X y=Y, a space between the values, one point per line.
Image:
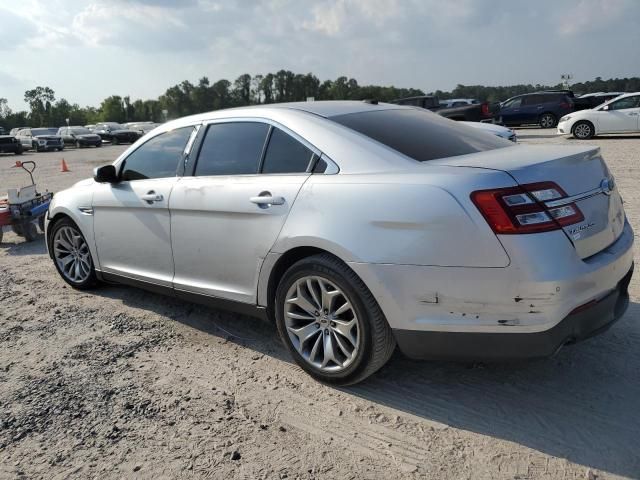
x=71 y=255
x=330 y=322
x=548 y=120
x=583 y=130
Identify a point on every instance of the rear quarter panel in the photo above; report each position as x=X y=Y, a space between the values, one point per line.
x=414 y=218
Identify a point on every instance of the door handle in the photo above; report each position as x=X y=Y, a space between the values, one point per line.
x=265 y=200
x=151 y=197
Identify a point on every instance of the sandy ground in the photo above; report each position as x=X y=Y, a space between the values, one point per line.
x=120 y=383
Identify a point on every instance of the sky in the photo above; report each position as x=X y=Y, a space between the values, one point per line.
x=86 y=51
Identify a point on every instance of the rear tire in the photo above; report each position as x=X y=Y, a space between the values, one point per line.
x=352 y=335
x=548 y=120
x=583 y=130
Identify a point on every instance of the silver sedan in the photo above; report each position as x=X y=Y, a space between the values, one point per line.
x=356 y=227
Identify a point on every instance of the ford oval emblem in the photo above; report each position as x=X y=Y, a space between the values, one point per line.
x=607 y=185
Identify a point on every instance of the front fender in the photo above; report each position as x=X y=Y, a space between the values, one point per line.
x=75 y=203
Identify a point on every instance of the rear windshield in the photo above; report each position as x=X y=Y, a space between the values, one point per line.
x=420 y=134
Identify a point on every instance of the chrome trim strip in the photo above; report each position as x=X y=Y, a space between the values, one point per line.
x=575 y=198
x=86 y=210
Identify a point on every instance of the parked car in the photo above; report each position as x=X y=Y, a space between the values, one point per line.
x=494 y=129
x=592 y=100
x=14 y=131
x=458 y=102
x=9 y=144
x=79 y=137
x=620 y=115
x=115 y=133
x=355 y=226
x=40 y=139
x=474 y=112
x=142 y=128
x=543 y=108
x=90 y=127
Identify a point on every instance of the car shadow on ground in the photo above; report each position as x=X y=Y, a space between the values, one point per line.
x=15 y=245
x=580 y=405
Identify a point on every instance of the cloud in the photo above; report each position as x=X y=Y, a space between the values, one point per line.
x=590 y=15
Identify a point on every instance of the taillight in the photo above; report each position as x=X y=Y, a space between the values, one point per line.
x=565 y=105
x=521 y=209
x=485 y=109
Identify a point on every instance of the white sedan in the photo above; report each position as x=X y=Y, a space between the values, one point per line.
x=620 y=115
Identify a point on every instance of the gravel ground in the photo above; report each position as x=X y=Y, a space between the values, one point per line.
x=120 y=383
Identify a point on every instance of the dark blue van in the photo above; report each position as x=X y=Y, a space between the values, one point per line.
x=543 y=108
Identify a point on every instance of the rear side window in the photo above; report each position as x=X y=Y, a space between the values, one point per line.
x=285 y=154
x=157 y=158
x=232 y=149
x=420 y=134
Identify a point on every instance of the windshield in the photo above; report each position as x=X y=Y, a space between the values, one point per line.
x=420 y=134
x=80 y=131
x=44 y=131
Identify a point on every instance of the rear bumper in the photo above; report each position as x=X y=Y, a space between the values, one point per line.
x=583 y=323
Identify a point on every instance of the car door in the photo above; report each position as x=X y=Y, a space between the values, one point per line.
x=131 y=217
x=619 y=116
x=510 y=111
x=227 y=216
x=24 y=136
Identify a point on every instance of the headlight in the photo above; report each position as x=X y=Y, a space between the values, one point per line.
x=565 y=118
x=42 y=142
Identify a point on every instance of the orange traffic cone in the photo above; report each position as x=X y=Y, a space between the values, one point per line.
x=64 y=167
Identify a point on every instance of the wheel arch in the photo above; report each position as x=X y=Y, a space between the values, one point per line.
x=278 y=265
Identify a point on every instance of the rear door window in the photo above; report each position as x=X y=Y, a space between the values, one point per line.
x=420 y=134
x=285 y=154
x=232 y=149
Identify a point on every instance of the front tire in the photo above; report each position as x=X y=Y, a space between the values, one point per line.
x=330 y=322
x=71 y=255
x=583 y=130
x=548 y=120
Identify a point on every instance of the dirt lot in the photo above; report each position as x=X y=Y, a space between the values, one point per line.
x=120 y=383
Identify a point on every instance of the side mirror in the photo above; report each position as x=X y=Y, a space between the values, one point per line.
x=105 y=174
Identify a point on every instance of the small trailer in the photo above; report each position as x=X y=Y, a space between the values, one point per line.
x=23 y=208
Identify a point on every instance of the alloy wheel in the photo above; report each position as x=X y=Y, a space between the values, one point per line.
x=321 y=323
x=582 y=131
x=547 y=121
x=72 y=254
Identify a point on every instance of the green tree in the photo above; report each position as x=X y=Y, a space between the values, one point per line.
x=112 y=109
x=40 y=100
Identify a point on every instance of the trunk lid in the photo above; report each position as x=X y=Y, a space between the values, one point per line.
x=580 y=171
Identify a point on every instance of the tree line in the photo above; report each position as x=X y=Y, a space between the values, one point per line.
x=187 y=98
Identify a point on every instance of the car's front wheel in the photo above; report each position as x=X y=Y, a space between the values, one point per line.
x=71 y=255
x=330 y=322
x=583 y=130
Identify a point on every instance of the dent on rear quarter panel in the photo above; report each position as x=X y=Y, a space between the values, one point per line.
x=398 y=223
